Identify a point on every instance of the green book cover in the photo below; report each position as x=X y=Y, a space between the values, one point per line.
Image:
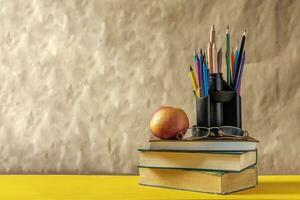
x=195 y=151
x=165 y=160
x=200 y=170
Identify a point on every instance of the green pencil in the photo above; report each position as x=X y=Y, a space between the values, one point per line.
x=228 y=55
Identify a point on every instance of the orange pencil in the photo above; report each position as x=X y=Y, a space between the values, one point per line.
x=232 y=66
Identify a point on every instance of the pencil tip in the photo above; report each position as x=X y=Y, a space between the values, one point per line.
x=191 y=69
x=245 y=32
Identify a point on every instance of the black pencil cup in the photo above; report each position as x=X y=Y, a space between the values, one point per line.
x=222 y=107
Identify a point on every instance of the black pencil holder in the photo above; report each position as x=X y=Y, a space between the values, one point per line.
x=222 y=107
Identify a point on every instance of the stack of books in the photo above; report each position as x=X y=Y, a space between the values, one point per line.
x=214 y=166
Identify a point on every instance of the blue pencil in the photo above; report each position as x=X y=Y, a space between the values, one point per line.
x=195 y=57
x=205 y=78
x=201 y=75
x=240 y=72
x=240 y=54
x=236 y=55
x=205 y=75
x=202 y=72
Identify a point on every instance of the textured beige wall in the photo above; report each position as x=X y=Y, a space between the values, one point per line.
x=79 y=78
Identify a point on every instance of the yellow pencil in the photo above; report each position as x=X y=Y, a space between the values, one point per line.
x=192 y=75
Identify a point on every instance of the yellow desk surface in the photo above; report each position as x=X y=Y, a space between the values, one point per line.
x=126 y=187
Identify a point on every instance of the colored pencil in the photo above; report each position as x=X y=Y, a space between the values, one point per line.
x=209 y=57
x=205 y=74
x=199 y=75
x=202 y=73
x=227 y=55
x=212 y=40
x=219 y=60
x=195 y=57
x=192 y=75
x=240 y=53
x=196 y=67
x=236 y=54
x=232 y=67
x=240 y=72
x=210 y=62
x=212 y=35
x=206 y=77
x=214 y=58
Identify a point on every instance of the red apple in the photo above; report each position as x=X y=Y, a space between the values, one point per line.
x=168 y=121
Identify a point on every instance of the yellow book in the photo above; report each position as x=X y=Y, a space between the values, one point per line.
x=202 y=181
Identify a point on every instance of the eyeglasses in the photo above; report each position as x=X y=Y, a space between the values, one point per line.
x=221 y=132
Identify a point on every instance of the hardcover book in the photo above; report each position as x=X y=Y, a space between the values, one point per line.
x=205 y=145
x=222 y=161
x=202 y=181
